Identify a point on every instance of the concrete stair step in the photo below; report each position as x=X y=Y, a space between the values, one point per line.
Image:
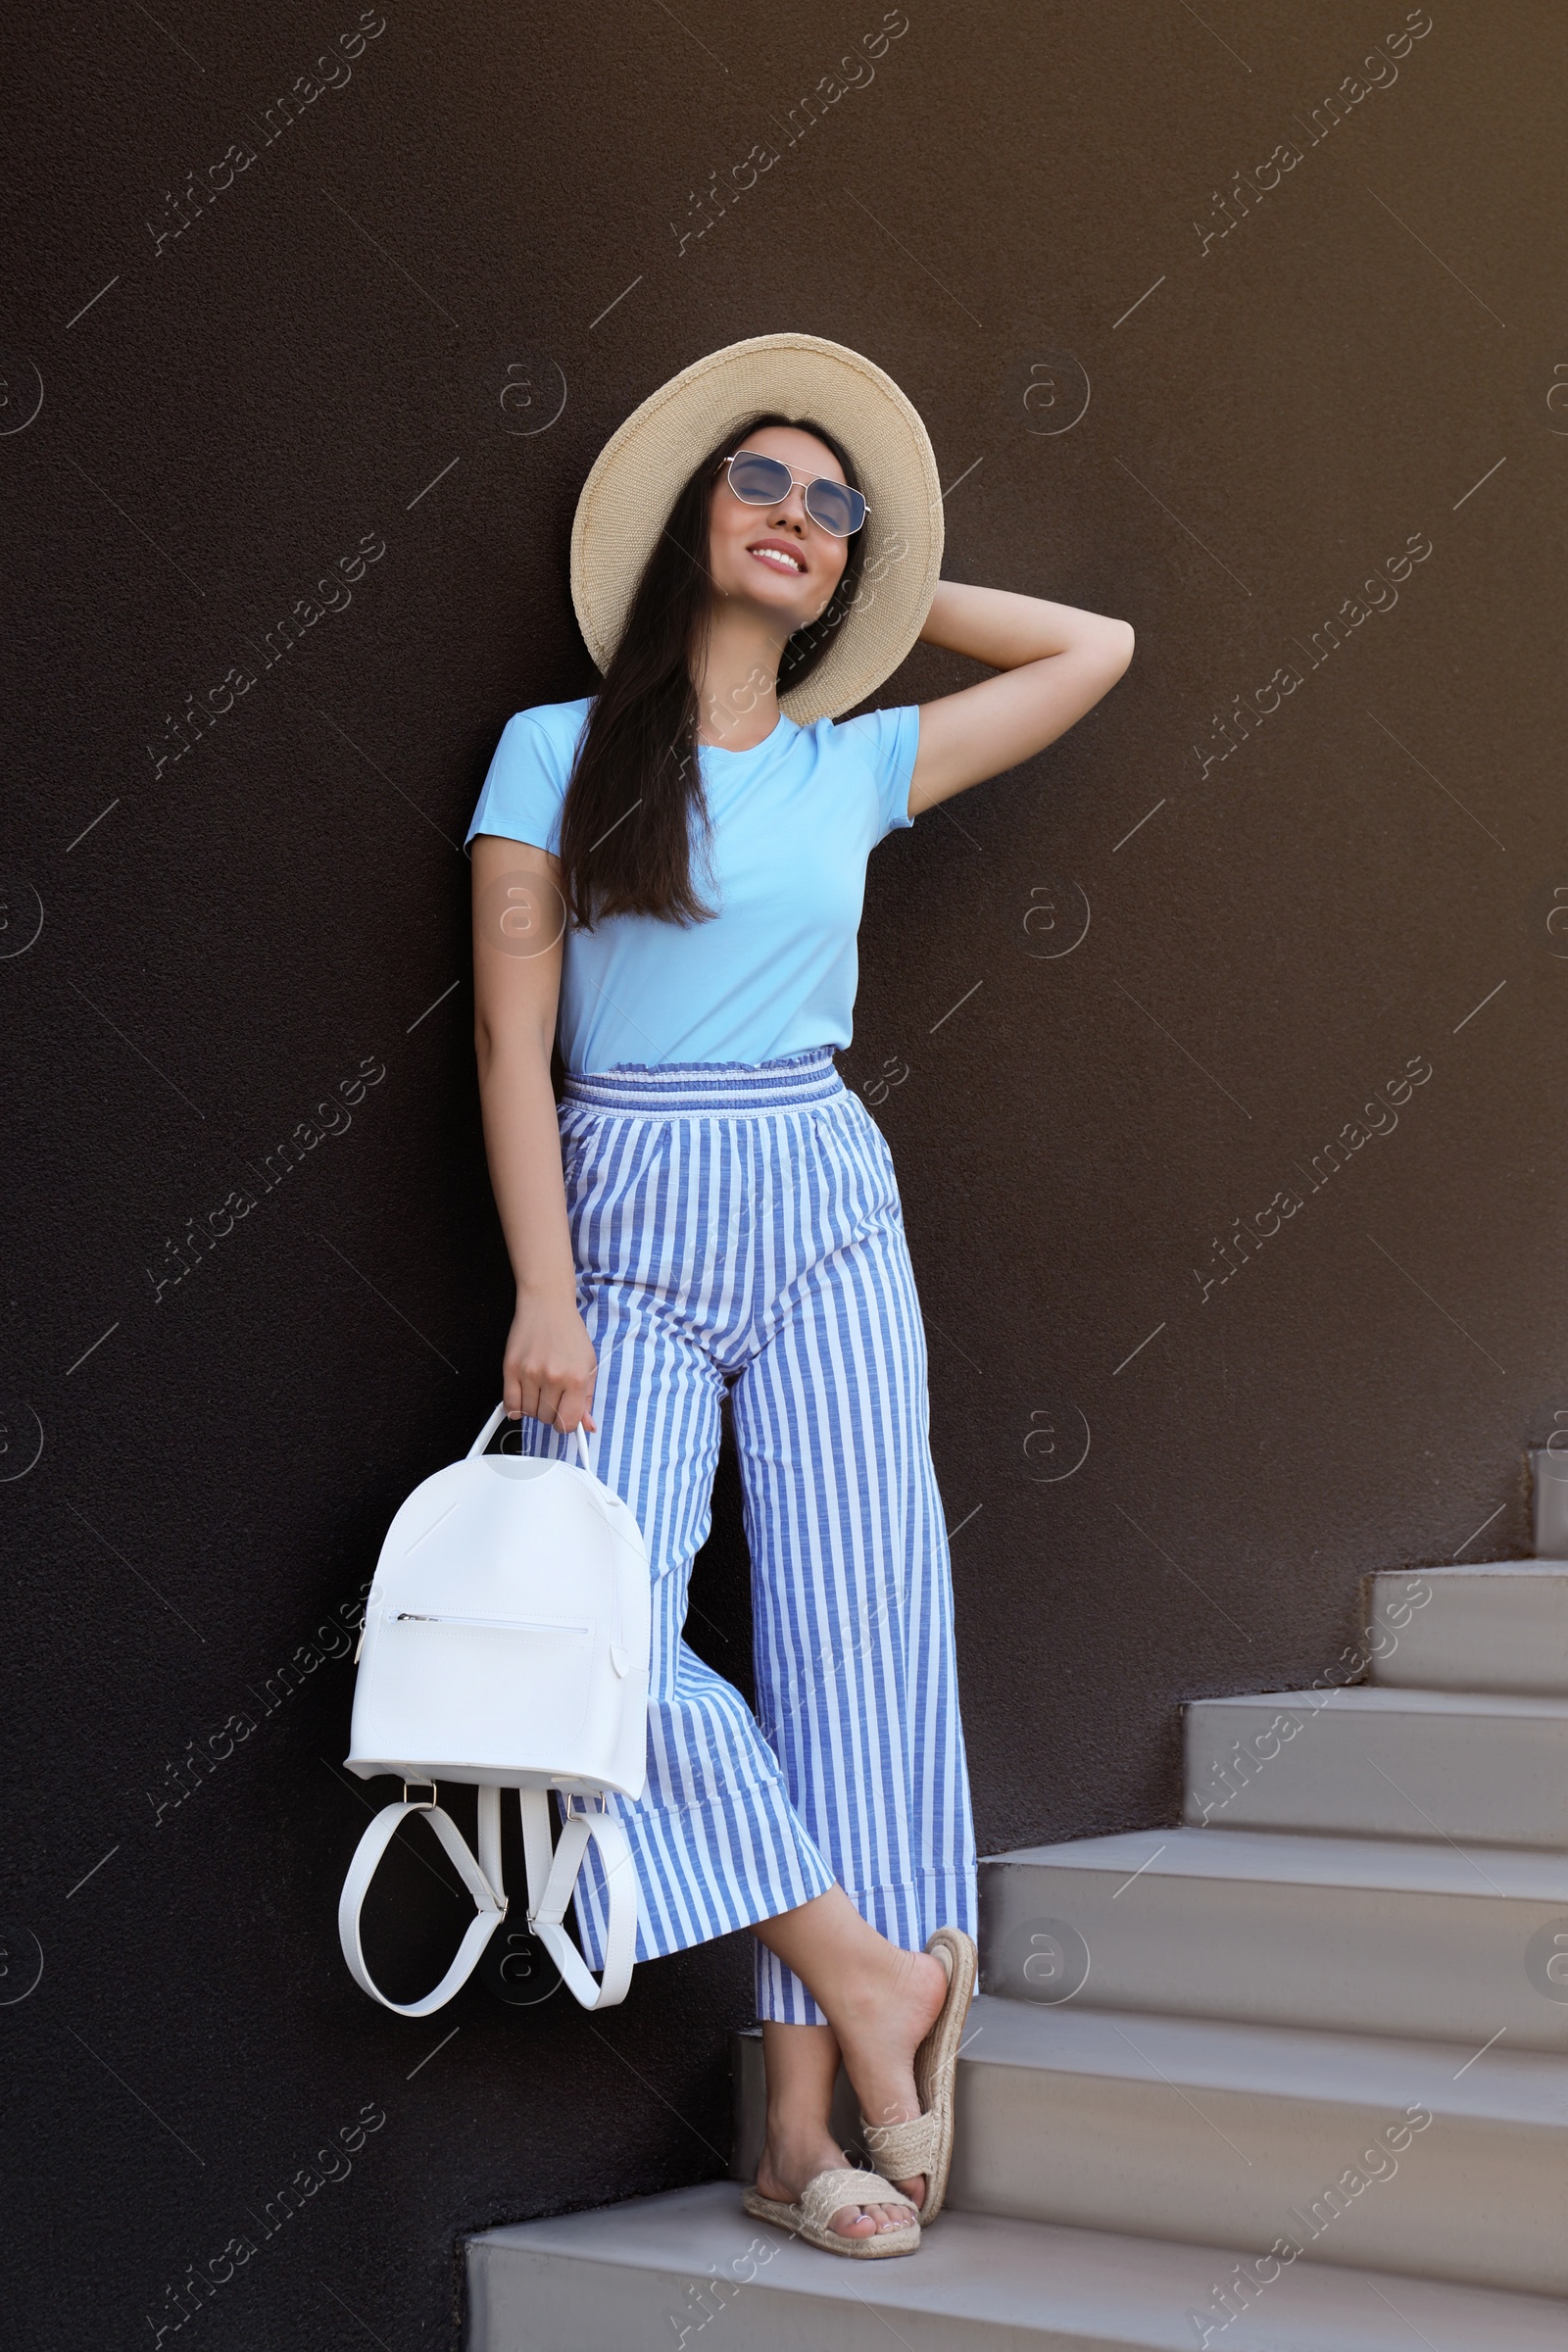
x=690 y=2270
x=1391 y=1936
x=1548 y=1477
x=1195 y=2131
x=1502 y=1626
x=1489 y=1768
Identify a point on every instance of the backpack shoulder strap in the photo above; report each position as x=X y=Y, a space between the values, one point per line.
x=551 y=1880
x=551 y=1876
x=490 y=1902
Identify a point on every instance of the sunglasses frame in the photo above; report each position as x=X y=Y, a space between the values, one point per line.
x=807 y=479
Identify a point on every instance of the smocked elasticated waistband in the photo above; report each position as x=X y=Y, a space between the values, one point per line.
x=662 y=1089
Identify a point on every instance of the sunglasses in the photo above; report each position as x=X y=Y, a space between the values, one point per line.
x=761 y=481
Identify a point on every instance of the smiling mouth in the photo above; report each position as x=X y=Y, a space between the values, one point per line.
x=778 y=559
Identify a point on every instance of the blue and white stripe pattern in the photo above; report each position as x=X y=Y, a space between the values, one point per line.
x=737 y=1226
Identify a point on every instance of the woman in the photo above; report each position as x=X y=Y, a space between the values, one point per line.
x=674 y=871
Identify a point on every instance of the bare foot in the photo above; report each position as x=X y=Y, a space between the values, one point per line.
x=879 y=2035
x=787 y=2166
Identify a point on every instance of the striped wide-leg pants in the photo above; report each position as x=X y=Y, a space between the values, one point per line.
x=737 y=1227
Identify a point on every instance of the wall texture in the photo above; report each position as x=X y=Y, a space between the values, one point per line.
x=1247 y=327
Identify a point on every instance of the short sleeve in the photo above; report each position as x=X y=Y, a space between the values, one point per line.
x=889 y=741
x=525 y=786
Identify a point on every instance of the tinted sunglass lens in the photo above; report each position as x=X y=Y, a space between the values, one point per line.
x=836 y=506
x=761 y=481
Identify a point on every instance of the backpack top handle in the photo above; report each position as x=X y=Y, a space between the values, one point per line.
x=500 y=1414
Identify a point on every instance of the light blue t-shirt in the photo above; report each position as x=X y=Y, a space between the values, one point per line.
x=774 y=972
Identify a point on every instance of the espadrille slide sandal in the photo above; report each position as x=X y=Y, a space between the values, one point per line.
x=828 y=2193
x=926 y=2144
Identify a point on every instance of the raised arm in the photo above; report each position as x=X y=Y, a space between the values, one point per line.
x=1055 y=661
x=518 y=926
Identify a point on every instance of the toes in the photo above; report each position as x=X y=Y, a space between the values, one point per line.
x=894 y=2217
x=852 y=2221
x=871 y=2221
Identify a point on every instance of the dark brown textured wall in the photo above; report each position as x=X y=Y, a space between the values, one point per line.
x=1109 y=1005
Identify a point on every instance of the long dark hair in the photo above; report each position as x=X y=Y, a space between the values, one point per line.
x=626 y=826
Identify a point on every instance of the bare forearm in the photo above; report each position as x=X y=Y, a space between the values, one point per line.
x=1053 y=661
x=1004 y=630
x=522 y=1143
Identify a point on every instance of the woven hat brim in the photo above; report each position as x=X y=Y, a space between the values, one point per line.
x=636 y=475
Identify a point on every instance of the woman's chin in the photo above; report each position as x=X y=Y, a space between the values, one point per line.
x=781 y=606
x=770 y=583
x=776 y=612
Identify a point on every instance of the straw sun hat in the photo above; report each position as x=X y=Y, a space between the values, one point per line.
x=642 y=465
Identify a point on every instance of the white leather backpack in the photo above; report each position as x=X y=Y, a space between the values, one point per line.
x=505 y=1644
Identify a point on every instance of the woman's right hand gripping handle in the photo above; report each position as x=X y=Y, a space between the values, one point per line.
x=518 y=928
x=550 y=1364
